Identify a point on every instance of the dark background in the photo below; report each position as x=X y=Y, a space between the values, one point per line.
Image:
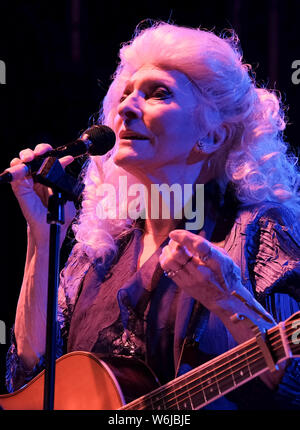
x=59 y=57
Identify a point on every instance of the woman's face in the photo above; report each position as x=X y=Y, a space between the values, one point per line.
x=156 y=125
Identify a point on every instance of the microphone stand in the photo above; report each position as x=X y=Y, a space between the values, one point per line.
x=64 y=188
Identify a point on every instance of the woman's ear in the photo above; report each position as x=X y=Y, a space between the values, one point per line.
x=212 y=141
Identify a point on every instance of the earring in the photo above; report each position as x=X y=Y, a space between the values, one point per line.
x=200 y=145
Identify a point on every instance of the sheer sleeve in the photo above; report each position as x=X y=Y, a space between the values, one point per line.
x=69 y=288
x=274 y=261
x=17 y=374
x=274 y=265
x=267 y=240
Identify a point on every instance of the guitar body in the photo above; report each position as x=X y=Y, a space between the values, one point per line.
x=89 y=381
x=86 y=381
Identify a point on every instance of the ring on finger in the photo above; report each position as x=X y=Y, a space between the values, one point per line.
x=172 y=273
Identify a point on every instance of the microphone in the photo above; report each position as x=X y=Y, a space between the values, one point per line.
x=96 y=140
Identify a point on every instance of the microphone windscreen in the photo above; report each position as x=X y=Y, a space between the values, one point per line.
x=103 y=139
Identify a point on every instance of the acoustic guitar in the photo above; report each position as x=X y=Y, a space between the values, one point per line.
x=88 y=381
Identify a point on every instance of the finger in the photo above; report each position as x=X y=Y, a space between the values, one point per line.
x=195 y=244
x=26 y=155
x=204 y=252
x=15 y=162
x=167 y=260
x=43 y=192
x=65 y=161
x=174 y=258
x=41 y=148
x=181 y=253
x=178 y=247
x=175 y=246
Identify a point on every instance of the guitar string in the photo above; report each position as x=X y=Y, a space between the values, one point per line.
x=191 y=379
x=162 y=396
x=148 y=397
x=173 y=398
x=214 y=387
x=256 y=348
x=177 y=399
x=214 y=376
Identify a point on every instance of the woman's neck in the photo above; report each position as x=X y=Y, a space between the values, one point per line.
x=159 y=229
x=167 y=191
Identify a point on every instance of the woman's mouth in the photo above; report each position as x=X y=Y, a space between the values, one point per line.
x=130 y=135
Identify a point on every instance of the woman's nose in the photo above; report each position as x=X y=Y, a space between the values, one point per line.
x=130 y=107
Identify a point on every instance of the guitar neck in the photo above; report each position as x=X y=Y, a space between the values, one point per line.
x=206 y=383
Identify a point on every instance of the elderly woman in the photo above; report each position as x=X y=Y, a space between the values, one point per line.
x=185 y=110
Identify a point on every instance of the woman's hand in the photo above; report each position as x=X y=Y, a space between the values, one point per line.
x=207 y=273
x=201 y=268
x=33 y=197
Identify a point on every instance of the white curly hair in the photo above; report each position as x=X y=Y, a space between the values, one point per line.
x=249 y=120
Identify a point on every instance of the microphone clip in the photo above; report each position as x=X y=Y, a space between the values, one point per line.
x=53 y=175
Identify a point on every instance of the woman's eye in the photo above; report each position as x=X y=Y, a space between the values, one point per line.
x=161 y=93
x=122 y=98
